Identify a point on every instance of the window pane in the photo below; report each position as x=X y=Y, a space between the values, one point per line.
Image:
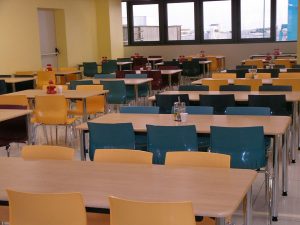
x=181 y=21
x=146 y=22
x=124 y=23
x=255 y=18
x=217 y=20
x=287 y=20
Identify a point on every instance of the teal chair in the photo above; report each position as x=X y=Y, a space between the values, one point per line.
x=162 y=139
x=191 y=69
x=109 y=66
x=231 y=87
x=140 y=137
x=193 y=88
x=90 y=69
x=143 y=89
x=110 y=136
x=166 y=102
x=200 y=110
x=74 y=83
x=105 y=76
x=117 y=91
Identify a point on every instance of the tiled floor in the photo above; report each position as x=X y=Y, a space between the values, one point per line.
x=289 y=207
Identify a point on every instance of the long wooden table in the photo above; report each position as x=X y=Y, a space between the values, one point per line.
x=68 y=94
x=214 y=192
x=275 y=126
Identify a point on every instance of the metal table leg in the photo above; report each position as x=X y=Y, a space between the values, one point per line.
x=220 y=221
x=82 y=145
x=295 y=132
x=85 y=116
x=284 y=165
x=29 y=130
x=275 y=184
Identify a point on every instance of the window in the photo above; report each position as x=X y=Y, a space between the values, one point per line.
x=255 y=19
x=124 y=23
x=286 y=20
x=145 y=22
x=217 y=20
x=181 y=21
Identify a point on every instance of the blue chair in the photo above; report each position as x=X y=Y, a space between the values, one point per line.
x=162 y=139
x=74 y=83
x=109 y=66
x=200 y=110
x=193 y=88
x=3 y=88
x=245 y=145
x=258 y=111
x=90 y=69
x=166 y=102
x=143 y=89
x=105 y=76
x=139 y=109
x=275 y=88
x=119 y=136
x=219 y=102
x=117 y=91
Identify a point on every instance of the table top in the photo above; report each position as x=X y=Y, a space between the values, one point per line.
x=214 y=192
x=12 y=80
x=69 y=94
x=273 y=125
x=123 y=63
x=231 y=81
x=240 y=96
x=205 y=62
x=7 y=114
x=62 y=73
x=170 y=72
x=267 y=61
x=127 y=81
x=155 y=59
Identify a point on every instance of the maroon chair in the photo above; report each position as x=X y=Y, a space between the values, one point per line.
x=139 y=62
x=157 y=83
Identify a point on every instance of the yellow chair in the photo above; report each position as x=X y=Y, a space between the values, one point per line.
x=46 y=208
x=125 y=212
x=52 y=110
x=254 y=62
x=213 y=66
x=289 y=75
x=94 y=105
x=43 y=78
x=223 y=76
x=214 y=85
x=259 y=75
x=123 y=156
x=253 y=83
x=201 y=159
x=14 y=100
x=64 y=87
x=69 y=77
x=295 y=83
x=286 y=62
x=37 y=152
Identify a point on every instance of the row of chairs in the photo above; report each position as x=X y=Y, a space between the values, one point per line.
x=240 y=71
x=260 y=75
x=259 y=63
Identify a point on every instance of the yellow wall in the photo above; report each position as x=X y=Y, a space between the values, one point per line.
x=19 y=39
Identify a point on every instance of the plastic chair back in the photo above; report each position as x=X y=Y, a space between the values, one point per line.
x=117 y=91
x=258 y=75
x=293 y=70
x=223 y=75
x=139 y=109
x=238 y=142
x=110 y=136
x=43 y=78
x=105 y=76
x=149 y=213
x=214 y=63
x=123 y=156
x=74 y=83
x=214 y=85
x=109 y=66
x=90 y=69
x=295 y=83
x=218 y=102
x=245 y=67
x=286 y=62
x=258 y=111
x=46 y=208
x=275 y=88
x=274 y=72
x=240 y=73
x=253 y=83
x=289 y=75
x=191 y=68
x=48 y=152
x=162 y=139
x=3 y=88
x=193 y=88
x=277 y=103
x=166 y=102
x=254 y=62
x=200 y=110
x=201 y=159
x=235 y=88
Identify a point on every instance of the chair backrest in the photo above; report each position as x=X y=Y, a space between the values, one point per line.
x=275 y=88
x=43 y=78
x=193 y=88
x=235 y=88
x=14 y=100
x=166 y=102
x=67 y=69
x=214 y=63
x=3 y=88
x=294 y=75
x=296 y=66
x=157 y=82
x=274 y=72
x=117 y=91
x=148 y=213
x=277 y=103
x=139 y=109
x=253 y=83
x=293 y=70
x=254 y=62
x=37 y=152
x=162 y=139
x=201 y=159
x=90 y=69
x=51 y=110
x=238 y=142
x=223 y=75
x=123 y=156
x=258 y=75
x=214 y=85
x=74 y=83
x=46 y=208
x=295 y=83
x=110 y=136
x=200 y=110
x=191 y=68
x=286 y=62
x=109 y=66
x=105 y=76
x=240 y=73
x=139 y=62
x=219 y=102
x=174 y=64
x=257 y=111
x=245 y=67
x=134 y=76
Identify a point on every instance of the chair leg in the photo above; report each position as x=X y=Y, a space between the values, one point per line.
x=45 y=134
x=7 y=148
x=66 y=134
x=56 y=137
x=51 y=138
